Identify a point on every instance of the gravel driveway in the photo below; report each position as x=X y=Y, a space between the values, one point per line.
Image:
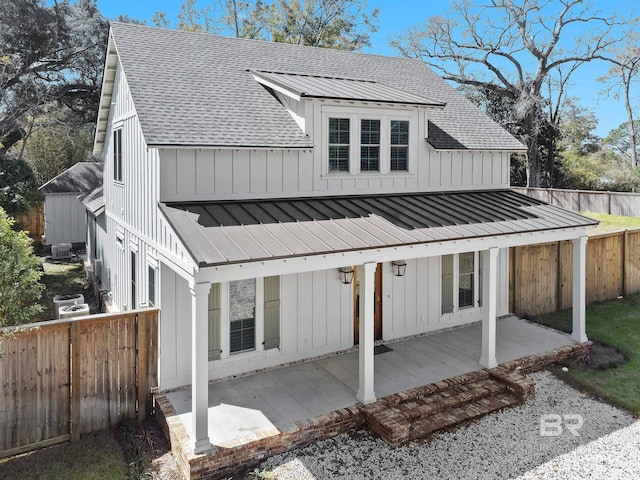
x=502 y=445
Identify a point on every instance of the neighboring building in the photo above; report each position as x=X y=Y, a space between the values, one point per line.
x=245 y=179
x=64 y=214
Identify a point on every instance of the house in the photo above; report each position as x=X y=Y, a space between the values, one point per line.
x=280 y=203
x=64 y=215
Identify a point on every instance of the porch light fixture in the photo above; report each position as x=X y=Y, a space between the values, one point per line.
x=399 y=267
x=346 y=275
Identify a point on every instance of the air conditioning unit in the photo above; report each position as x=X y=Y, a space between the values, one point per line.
x=97 y=268
x=60 y=301
x=61 y=250
x=74 y=310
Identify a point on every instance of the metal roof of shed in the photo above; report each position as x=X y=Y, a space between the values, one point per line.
x=230 y=232
x=313 y=86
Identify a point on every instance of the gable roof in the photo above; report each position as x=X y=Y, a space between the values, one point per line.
x=83 y=177
x=222 y=232
x=195 y=89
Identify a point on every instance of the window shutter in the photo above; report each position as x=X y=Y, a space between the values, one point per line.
x=271 y=312
x=214 y=322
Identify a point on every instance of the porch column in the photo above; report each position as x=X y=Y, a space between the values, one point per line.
x=490 y=303
x=367 y=285
x=579 y=333
x=199 y=367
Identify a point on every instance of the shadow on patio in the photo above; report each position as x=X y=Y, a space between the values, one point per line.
x=264 y=404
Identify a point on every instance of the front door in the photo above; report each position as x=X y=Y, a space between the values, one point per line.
x=377 y=308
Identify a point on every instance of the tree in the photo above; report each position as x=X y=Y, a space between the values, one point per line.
x=620 y=78
x=620 y=142
x=50 y=57
x=340 y=24
x=515 y=52
x=18 y=190
x=20 y=274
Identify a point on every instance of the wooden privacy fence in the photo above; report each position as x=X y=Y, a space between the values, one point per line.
x=541 y=276
x=33 y=222
x=63 y=379
x=613 y=203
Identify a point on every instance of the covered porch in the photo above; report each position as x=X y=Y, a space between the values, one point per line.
x=250 y=408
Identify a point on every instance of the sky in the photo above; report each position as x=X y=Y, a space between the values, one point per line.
x=398 y=15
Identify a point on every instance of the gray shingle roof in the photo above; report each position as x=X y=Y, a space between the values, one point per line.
x=83 y=177
x=93 y=201
x=197 y=89
x=222 y=232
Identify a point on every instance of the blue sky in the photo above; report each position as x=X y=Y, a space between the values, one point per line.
x=398 y=15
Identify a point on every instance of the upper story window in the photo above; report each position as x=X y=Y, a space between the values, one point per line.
x=117 y=155
x=369 y=145
x=399 y=155
x=339 y=144
x=369 y=141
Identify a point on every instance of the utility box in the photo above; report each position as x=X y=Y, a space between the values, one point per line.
x=61 y=250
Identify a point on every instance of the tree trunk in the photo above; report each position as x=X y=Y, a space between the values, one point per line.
x=631 y=127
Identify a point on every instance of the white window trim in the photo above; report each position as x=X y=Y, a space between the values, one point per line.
x=456 y=285
x=355 y=115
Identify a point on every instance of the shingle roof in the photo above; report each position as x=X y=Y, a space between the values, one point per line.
x=93 y=201
x=197 y=89
x=83 y=177
x=227 y=232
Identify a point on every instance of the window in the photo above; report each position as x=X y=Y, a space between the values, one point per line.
x=369 y=145
x=339 y=144
x=242 y=313
x=152 y=286
x=459 y=273
x=117 y=155
x=133 y=280
x=466 y=263
x=399 y=158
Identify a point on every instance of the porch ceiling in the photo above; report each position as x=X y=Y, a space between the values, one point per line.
x=217 y=233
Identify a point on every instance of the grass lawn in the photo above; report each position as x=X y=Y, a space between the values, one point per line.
x=610 y=223
x=617 y=323
x=98 y=456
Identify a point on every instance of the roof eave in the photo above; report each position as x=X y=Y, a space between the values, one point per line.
x=106 y=95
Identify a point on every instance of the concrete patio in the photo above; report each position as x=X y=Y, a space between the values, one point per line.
x=275 y=399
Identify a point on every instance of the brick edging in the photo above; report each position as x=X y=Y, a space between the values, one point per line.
x=222 y=461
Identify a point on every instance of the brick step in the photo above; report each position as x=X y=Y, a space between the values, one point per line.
x=451 y=398
x=468 y=411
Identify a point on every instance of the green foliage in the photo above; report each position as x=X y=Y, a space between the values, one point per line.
x=20 y=274
x=51 y=57
x=18 y=190
x=339 y=24
x=618 y=140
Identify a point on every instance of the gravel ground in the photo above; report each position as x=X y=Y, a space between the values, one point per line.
x=508 y=444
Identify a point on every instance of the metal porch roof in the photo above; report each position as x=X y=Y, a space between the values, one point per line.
x=242 y=231
x=342 y=88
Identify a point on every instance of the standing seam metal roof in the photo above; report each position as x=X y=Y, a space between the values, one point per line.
x=227 y=232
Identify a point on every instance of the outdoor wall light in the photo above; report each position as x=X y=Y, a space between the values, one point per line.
x=399 y=267
x=346 y=275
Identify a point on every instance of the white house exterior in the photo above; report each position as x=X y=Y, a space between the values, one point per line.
x=64 y=214
x=241 y=175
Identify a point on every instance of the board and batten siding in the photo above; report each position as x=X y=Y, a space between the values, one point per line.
x=65 y=218
x=237 y=173
x=317 y=317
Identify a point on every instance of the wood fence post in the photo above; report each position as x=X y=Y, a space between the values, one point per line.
x=75 y=381
x=625 y=253
x=142 y=321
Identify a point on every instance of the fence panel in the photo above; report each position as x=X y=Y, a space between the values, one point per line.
x=35 y=371
x=66 y=378
x=632 y=262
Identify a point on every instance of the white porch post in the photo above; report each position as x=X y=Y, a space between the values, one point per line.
x=490 y=302
x=199 y=367
x=366 y=377
x=579 y=333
